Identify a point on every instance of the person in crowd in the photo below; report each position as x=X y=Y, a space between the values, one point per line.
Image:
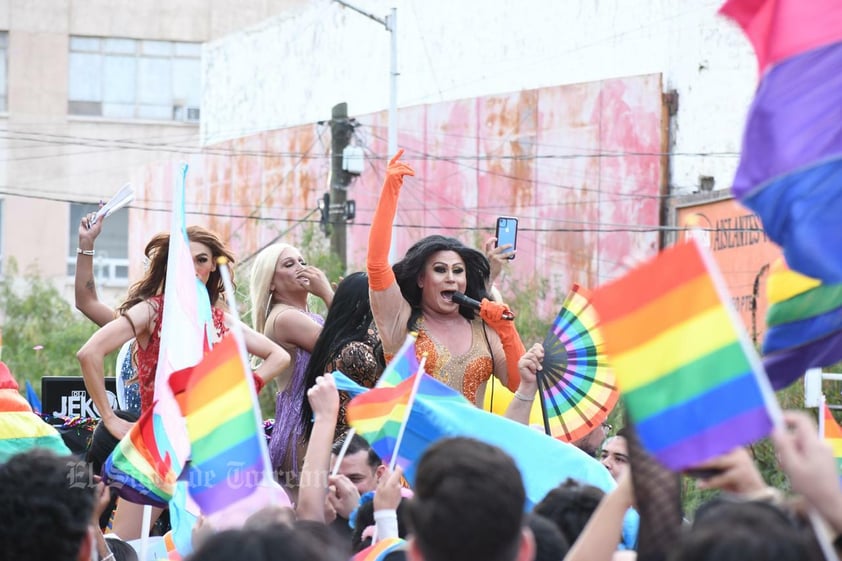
x=468 y=504
x=47 y=513
x=140 y=317
x=281 y=282
x=89 y=304
x=570 y=506
x=348 y=343
x=416 y=295
x=122 y=551
x=550 y=544
x=592 y=442
x=598 y=534
x=385 y=515
x=615 y=454
x=361 y=464
x=273 y=543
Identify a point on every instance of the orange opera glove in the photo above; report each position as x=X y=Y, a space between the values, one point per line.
x=380 y=275
x=492 y=314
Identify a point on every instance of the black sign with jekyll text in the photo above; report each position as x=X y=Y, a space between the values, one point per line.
x=66 y=396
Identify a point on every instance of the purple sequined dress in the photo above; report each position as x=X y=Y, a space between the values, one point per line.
x=287 y=434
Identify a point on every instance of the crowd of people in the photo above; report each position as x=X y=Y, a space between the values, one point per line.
x=468 y=499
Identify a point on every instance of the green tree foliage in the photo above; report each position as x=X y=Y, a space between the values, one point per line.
x=41 y=331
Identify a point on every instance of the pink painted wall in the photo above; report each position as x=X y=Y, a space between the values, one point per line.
x=579 y=165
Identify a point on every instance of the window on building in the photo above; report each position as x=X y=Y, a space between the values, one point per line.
x=134 y=79
x=111 y=262
x=4 y=79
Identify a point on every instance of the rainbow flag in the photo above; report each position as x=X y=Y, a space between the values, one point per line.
x=229 y=462
x=378 y=417
x=20 y=428
x=380 y=550
x=832 y=434
x=804 y=325
x=403 y=365
x=138 y=468
x=790 y=171
x=690 y=378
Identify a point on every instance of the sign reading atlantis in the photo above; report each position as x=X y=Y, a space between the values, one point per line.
x=66 y=396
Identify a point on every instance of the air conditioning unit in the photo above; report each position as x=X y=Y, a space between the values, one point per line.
x=186 y=114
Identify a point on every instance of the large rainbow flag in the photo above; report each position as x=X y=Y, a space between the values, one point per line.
x=229 y=465
x=804 y=322
x=689 y=376
x=790 y=171
x=20 y=428
x=832 y=433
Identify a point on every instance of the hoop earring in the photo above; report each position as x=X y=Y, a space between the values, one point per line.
x=268 y=305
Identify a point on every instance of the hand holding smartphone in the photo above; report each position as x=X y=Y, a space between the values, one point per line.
x=506 y=234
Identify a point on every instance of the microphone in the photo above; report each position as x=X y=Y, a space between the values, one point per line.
x=469 y=302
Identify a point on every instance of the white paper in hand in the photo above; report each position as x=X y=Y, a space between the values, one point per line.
x=120 y=199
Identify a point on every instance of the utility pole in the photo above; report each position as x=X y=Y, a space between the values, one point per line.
x=390 y=22
x=341 y=130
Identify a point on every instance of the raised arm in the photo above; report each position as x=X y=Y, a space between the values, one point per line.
x=84 y=283
x=324 y=399
x=107 y=339
x=390 y=309
x=810 y=464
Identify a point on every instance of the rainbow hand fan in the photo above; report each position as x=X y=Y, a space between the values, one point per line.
x=577 y=389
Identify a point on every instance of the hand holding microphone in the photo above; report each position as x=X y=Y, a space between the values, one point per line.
x=492 y=307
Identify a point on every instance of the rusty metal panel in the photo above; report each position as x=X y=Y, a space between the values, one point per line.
x=580 y=166
x=742 y=251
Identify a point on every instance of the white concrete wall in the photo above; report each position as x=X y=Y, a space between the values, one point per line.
x=292 y=69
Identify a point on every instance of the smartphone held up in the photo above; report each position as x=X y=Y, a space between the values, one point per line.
x=506 y=234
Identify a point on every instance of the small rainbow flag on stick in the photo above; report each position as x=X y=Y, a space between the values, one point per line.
x=832 y=433
x=691 y=380
x=381 y=416
x=403 y=365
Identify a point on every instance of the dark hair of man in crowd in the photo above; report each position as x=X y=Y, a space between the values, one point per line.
x=730 y=529
x=271 y=543
x=45 y=511
x=365 y=518
x=358 y=444
x=570 y=506
x=550 y=543
x=122 y=550
x=468 y=504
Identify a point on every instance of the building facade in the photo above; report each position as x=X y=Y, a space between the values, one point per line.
x=89 y=91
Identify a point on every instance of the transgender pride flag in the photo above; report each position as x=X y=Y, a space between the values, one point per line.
x=790 y=171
